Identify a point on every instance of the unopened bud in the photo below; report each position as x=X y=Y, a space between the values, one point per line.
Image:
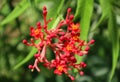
x=69 y=10
x=67 y=21
x=44 y=12
x=81 y=54
x=72 y=78
x=38 y=24
x=81 y=73
x=45 y=27
x=24 y=41
x=87 y=48
x=91 y=41
x=30 y=67
x=71 y=17
x=44 y=8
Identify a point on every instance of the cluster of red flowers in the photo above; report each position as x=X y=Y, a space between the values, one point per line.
x=67 y=45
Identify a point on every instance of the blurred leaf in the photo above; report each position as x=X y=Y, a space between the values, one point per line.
x=84 y=78
x=39 y=78
x=113 y=32
x=86 y=15
x=105 y=6
x=55 y=11
x=5 y=9
x=19 y=9
x=54 y=8
x=100 y=71
x=57 y=21
x=29 y=56
x=79 y=8
x=59 y=78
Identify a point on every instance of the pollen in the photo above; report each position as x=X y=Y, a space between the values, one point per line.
x=68 y=47
x=37 y=32
x=75 y=38
x=60 y=68
x=75 y=26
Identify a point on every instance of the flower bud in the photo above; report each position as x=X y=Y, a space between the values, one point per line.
x=72 y=78
x=81 y=73
x=87 y=48
x=81 y=54
x=71 y=17
x=69 y=10
x=38 y=25
x=45 y=13
x=24 y=41
x=45 y=27
x=44 y=8
x=91 y=41
x=37 y=55
x=30 y=67
x=67 y=21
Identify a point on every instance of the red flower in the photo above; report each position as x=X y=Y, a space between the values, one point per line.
x=60 y=68
x=66 y=45
x=74 y=28
x=36 y=33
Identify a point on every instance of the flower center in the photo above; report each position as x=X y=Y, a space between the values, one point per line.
x=75 y=27
x=68 y=47
x=37 y=32
x=75 y=37
x=60 y=68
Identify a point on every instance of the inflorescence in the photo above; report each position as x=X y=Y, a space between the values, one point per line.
x=67 y=45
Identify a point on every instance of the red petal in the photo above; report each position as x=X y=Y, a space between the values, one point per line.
x=57 y=72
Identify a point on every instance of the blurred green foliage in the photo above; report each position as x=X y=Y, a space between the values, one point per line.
x=99 y=19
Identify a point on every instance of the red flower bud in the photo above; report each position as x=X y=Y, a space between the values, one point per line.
x=44 y=8
x=67 y=21
x=72 y=78
x=41 y=44
x=45 y=27
x=81 y=54
x=30 y=67
x=71 y=17
x=91 y=41
x=69 y=10
x=44 y=12
x=81 y=73
x=38 y=25
x=87 y=48
x=24 y=41
x=84 y=65
x=37 y=55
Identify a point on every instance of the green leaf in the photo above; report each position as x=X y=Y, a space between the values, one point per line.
x=80 y=5
x=57 y=21
x=86 y=15
x=29 y=56
x=86 y=18
x=105 y=6
x=114 y=35
x=107 y=13
x=56 y=11
x=19 y=9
